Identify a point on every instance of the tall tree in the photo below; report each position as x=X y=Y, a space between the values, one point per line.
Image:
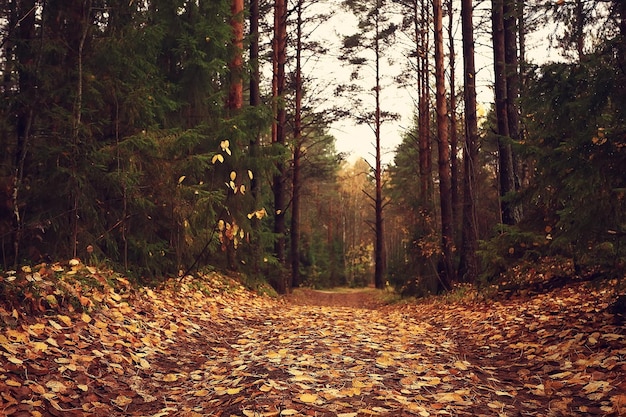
x=443 y=123
x=235 y=92
x=22 y=18
x=505 y=151
x=454 y=136
x=297 y=154
x=422 y=32
x=376 y=31
x=468 y=267
x=279 y=136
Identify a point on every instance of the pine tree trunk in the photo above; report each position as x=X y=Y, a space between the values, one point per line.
x=445 y=192
x=423 y=73
x=297 y=153
x=235 y=92
x=380 y=258
x=235 y=100
x=278 y=188
x=505 y=152
x=27 y=86
x=255 y=101
x=468 y=268
x=454 y=137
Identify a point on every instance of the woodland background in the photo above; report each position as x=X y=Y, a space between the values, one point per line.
x=159 y=136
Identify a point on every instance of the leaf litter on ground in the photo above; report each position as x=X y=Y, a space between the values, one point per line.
x=85 y=342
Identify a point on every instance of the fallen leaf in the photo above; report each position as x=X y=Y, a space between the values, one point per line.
x=308 y=398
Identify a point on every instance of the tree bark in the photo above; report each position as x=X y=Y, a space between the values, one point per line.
x=445 y=192
x=380 y=258
x=454 y=137
x=278 y=188
x=423 y=73
x=235 y=92
x=468 y=268
x=297 y=154
x=505 y=152
x=27 y=86
x=255 y=138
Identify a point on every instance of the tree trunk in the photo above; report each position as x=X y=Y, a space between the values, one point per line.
x=297 y=153
x=278 y=188
x=255 y=101
x=505 y=152
x=235 y=92
x=454 y=137
x=445 y=192
x=380 y=253
x=27 y=85
x=234 y=102
x=423 y=73
x=468 y=268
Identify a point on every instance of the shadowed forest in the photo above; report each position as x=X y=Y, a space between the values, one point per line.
x=175 y=218
x=161 y=138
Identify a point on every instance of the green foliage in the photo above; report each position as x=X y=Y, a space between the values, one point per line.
x=126 y=175
x=577 y=140
x=508 y=247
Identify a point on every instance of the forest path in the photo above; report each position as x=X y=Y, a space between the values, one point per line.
x=210 y=348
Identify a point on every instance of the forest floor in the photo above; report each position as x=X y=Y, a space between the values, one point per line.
x=76 y=341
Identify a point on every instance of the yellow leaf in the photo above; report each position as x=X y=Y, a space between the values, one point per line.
x=265 y=388
x=594 y=386
x=15 y=360
x=308 y=398
x=40 y=346
x=233 y=391
x=83 y=387
x=250 y=175
x=181 y=179
x=233 y=175
x=449 y=397
x=201 y=393
x=289 y=412
x=52 y=342
x=56 y=386
x=170 y=378
x=51 y=299
x=85 y=317
x=122 y=400
x=13 y=383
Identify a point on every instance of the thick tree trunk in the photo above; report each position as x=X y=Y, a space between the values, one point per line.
x=255 y=101
x=454 y=137
x=468 y=268
x=445 y=192
x=27 y=85
x=278 y=188
x=235 y=92
x=505 y=152
x=380 y=258
x=423 y=73
x=297 y=154
x=234 y=101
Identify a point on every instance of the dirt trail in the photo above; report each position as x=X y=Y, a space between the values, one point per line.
x=209 y=349
x=368 y=298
